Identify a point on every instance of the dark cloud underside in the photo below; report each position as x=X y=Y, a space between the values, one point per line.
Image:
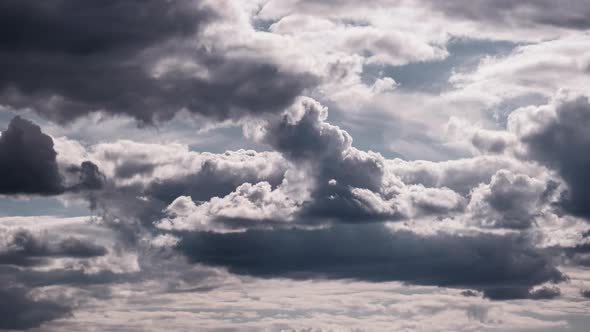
x=489 y=263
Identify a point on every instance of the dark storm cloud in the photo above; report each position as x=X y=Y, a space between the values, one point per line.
x=65 y=59
x=25 y=249
x=562 y=143
x=28 y=163
x=373 y=253
x=18 y=311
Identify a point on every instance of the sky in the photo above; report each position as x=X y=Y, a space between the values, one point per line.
x=294 y=165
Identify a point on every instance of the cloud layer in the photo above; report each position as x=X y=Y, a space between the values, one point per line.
x=294 y=165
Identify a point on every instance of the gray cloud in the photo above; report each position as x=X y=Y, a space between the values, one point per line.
x=89 y=176
x=485 y=262
x=349 y=185
x=572 y=14
x=26 y=249
x=316 y=206
x=558 y=141
x=18 y=311
x=28 y=163
x=214 y=179
x=82 y=64
x=545 y=293
x=509 y=200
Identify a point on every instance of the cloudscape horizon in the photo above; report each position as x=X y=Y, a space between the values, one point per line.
x=294 y=165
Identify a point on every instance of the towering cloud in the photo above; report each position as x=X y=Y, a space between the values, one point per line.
x=28 y=163
x=557 y=135
x=28 y=160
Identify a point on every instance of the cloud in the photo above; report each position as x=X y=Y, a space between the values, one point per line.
x=509 y=201
x=545 y=293
x=19 y=311
x=349 y=184
x=529 y=75
x=150 y=62
x=90 y=177
x=555 y=135
x=25 y=249
x=330 y=181
x=373 y=253
x=28 y=164
x=414 y=244
x=257 y=203
x=28 y=160
x=568 y=14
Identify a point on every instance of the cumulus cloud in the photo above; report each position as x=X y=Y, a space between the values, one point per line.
x=28 y=160
x=349 y=183
x=20 y=312
x=23 y=248
x=148 y=65
x=555 y=135
x=509 y=201
x=529 y=75
x=28 y=163
x=334 y=182
x=258 y=203
x=502 y=222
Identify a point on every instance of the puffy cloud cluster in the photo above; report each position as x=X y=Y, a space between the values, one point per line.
x=149 y=62
x=317 y=178
x=509 y=201
x=328 y=180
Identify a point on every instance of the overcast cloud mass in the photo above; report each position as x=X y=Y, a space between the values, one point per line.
x=294 y=165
